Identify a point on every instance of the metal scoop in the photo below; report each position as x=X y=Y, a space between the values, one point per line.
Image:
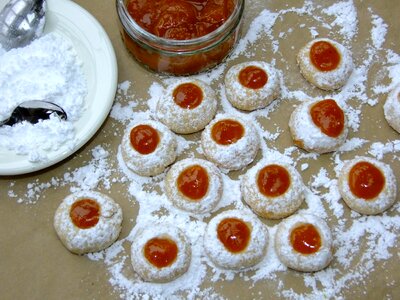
x=33 y=111
x=21 y=21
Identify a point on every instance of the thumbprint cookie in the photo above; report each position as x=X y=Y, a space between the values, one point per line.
x=230 y=142
x=236 y=239
x=187 y=107
x=367 y=185
x=391 y=108
x=319 y=126
x=160 y=253
x=303 y=242
x=272 y=189
x=148 y=147
x=194 y=185
x=325 y=63
x=252 y=85
x=87 y=222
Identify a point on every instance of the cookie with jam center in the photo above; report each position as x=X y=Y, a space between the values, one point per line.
x=160 y=253
x=236 y=239
x=231 y=142
x=87 y=222
x=272 y=189
x=148 y=147
x=303 y=242
x=319 y=126
x=325 y=63
x=367 y=185
x=252 y=85
x=194 y=185
x=188 y=106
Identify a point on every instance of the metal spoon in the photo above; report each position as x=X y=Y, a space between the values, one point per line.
x=21 y=21
x=33 y=111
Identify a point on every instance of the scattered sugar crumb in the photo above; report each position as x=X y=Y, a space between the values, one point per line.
x=346 y=18
x=374 y=234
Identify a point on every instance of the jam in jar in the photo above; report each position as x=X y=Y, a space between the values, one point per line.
x=180 y=37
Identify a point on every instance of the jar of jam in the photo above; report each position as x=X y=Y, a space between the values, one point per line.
x=180 y=37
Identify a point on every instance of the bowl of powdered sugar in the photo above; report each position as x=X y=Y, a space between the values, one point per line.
x=73 y=65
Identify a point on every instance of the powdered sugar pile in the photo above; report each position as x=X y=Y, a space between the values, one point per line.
x=361 y=243
x=47 y=69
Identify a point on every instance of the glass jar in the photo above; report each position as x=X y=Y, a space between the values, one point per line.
x=180 y=57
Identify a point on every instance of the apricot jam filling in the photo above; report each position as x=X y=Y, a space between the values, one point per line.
x=234 y=234
x=85 y=213
x=193 y=182
x=366 y=181
x=253 y=77
x=144 y=139
x=188 y=95
x=324 y=56
x=273 y=180
x=227 y=132
x=160 y=252
x=328 y=116
x=305 y=239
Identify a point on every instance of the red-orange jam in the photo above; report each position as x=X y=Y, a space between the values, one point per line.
x=85 y=213
x=366 y=181
x=253 y=77
x=193 y=182
x=226 y=132
x=273 y=180
x=234 y=234
x=144 y=139
x=188 y=95
x=160 y=252
x=180 y=37
x=324 y=56
x=328 y=116
x=180 y=19
x=305 y=239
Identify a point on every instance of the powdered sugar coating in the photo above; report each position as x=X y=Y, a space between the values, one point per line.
x=296 y=260
x=385 y=199
x=92 y=239
x=149 y=272
x=183 y=120
x=210 y=199
x=326 y=80
x=255 y=250
x=245 y=98
x=234 y=156
x=391 y=108
x=272 y=207
x=153 y=163
x=309 y=136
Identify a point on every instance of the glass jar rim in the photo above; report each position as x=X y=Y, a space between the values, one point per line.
x=170 y=44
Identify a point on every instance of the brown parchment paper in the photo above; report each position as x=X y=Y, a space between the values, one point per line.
x=35 y=265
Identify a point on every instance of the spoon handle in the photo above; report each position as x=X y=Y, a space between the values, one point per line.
x=4 y=122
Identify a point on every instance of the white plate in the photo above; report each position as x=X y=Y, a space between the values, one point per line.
x=96 y=52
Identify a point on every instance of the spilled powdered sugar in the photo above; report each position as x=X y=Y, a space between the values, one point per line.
x=322 y=195
x=360 y=242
